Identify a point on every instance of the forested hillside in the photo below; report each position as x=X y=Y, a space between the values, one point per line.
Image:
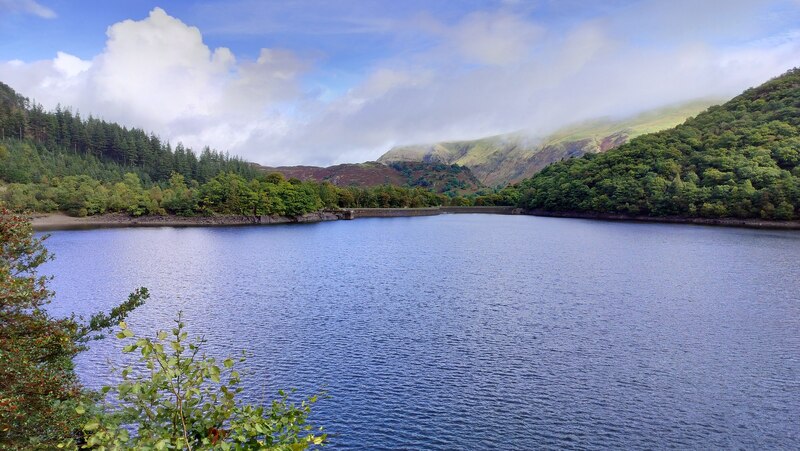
x=740 y=159
x=39 y=143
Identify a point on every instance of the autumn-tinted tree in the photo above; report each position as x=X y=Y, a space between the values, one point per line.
x=38 y=386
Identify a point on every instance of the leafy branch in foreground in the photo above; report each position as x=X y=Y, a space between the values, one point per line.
x=185 y=400
x=100 y=322
x=38 y=385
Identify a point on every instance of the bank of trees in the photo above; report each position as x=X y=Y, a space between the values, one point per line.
x=226 y=194
x=741 y=159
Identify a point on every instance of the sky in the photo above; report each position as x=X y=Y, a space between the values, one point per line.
x=323 y=82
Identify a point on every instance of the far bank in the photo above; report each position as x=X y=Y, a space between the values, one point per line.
x=60 y=221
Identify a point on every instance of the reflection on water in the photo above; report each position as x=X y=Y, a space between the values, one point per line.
x=477 y=331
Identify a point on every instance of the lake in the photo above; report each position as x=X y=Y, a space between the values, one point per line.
x=476 y=331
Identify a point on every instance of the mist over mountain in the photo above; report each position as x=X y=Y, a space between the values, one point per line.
x=510 y=158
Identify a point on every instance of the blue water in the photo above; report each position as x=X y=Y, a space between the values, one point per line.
x=477 y=331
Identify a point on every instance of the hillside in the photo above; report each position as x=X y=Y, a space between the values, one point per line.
x=504 y=159
x=44 y=144
x=740 y=159
x=56 y=161
x=440 y=178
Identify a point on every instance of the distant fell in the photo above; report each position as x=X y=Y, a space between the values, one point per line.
x=510 y=158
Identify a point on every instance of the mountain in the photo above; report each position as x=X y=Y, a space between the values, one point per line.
x=740 y=159
x=438 y=177
x=503 y=159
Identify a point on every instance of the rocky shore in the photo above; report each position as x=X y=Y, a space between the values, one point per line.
x=60 y=221
x=753 y=223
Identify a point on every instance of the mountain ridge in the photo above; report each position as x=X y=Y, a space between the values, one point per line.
x=509 y=158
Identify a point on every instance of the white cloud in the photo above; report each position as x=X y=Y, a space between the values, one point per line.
x=70 y=66
x=159 y=75
x=495 y=39
x=487 y=73
x=27 y=7
x=569 y=76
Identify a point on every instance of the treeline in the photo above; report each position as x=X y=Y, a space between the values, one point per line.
x=226 y=194
x=61 y=135
x=741 y=159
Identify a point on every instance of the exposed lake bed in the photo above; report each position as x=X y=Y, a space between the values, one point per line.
x=476 y=331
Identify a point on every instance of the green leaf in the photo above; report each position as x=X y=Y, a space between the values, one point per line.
x=80 y=410
x=214 y=373
x=228 y=362
x=91 y=426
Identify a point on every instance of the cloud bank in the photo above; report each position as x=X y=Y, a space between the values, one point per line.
x=489 y=72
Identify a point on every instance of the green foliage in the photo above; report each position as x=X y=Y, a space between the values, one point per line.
x=450 y=179
x=735 y=160
x=225 y=194
x=38 y=385
x=187 y=400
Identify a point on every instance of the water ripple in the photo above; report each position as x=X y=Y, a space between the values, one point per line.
x=478 y=332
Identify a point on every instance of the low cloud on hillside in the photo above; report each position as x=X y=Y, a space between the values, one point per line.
x=490 y=71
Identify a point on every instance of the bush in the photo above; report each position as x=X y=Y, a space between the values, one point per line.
x=185 y=400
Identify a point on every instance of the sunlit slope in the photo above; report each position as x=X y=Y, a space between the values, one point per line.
x=509 y=158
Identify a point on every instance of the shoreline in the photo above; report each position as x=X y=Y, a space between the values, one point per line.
x=749 y=223
x=61 y=221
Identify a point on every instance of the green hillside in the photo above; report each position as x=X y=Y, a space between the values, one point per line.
x=740 y=159
x=503 y=159
x=449 y=179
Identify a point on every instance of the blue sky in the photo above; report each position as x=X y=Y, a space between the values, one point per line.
x=313 y=81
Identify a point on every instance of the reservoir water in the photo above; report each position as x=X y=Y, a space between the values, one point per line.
x=476 y=331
